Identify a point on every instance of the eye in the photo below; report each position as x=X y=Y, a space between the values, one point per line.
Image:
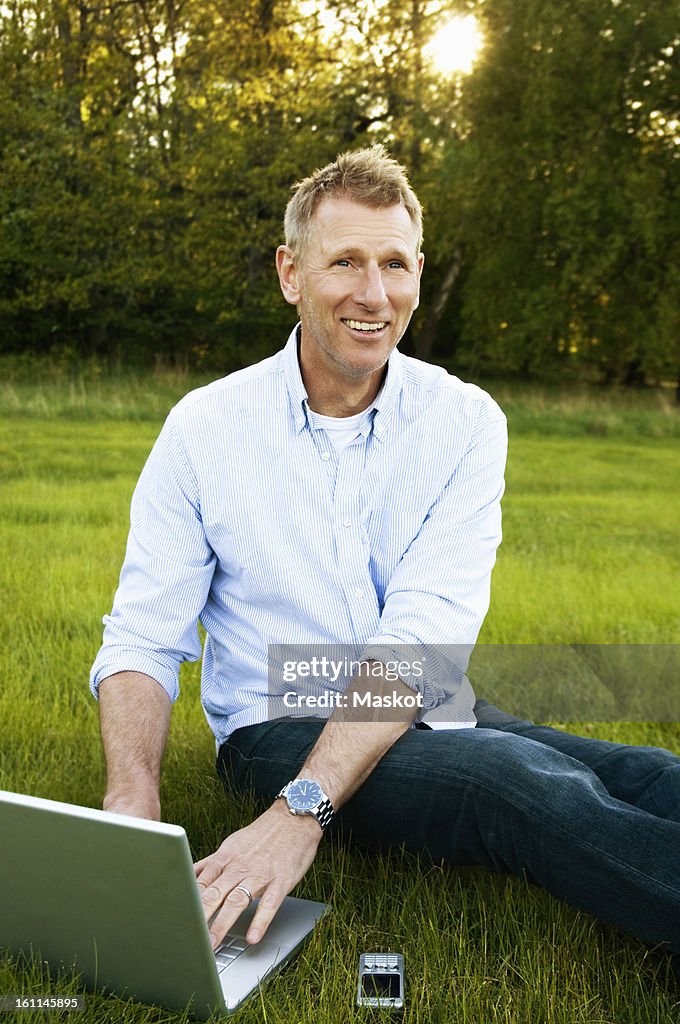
x=342 y=263
x=396 y=265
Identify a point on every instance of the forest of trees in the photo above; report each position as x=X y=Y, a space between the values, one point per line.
x=147 y=149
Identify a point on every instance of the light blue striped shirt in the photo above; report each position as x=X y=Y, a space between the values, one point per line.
x=247 y=518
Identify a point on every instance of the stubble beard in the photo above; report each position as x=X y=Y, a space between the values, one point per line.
x=317 y=335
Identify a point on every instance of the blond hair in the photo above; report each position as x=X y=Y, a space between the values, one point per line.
x=369 y=176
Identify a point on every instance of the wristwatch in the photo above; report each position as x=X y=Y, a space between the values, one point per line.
x=305 y=796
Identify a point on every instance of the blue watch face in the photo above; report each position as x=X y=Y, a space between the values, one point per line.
x=304 y=794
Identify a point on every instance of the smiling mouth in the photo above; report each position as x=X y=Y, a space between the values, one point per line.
x=362 y=325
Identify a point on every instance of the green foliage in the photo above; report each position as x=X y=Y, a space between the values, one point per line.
x=573 y=171
x=147 y=151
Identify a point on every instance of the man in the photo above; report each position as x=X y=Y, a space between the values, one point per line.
x=341 y=494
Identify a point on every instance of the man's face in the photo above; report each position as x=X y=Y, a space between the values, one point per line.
x=356 y=286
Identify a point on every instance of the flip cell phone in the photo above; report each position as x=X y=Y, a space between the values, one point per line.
x=381 y=980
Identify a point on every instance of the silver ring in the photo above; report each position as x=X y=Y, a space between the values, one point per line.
x=246 y=891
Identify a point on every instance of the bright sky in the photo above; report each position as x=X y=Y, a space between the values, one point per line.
x=452 y=50
x=456 y=45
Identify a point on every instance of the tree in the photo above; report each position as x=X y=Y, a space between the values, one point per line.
x=147 y=149
x=572 y=189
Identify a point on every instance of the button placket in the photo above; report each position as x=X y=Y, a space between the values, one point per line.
x=350 y=539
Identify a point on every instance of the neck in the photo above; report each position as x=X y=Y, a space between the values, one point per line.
x=325 y=399
x=332 y=391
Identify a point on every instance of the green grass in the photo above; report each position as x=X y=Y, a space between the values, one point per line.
x=590 y=411
x=590 y=556
x=48 y=388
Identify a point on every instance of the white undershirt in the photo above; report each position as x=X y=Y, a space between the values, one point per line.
x=341 y=429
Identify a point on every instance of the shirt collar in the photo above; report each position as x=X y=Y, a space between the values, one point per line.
x=296 y=388
x=385 y=402
x=388 y=395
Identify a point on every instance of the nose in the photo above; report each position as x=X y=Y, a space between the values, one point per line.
x=370 y=288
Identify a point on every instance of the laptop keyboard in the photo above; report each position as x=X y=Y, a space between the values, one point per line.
x=231 y=948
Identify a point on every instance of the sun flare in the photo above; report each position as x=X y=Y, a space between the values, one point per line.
x=455 y=47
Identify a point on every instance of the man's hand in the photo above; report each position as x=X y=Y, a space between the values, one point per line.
x=268 y=857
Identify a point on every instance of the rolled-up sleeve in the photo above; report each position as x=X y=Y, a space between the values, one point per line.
x=439 y=593
x=166 y=575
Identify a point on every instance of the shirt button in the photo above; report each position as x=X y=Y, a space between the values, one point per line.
x=359 y=593
x=347 y=522
x=325 y=456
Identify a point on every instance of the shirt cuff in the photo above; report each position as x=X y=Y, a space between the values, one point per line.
x=436 y=671
x=128 y=659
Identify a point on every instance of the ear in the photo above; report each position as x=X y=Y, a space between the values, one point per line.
x=419 y=271
x=288 y=274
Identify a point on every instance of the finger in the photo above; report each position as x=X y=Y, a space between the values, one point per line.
x=216 y=894
x=232 y=906
x=199 y=866
x=210 y=869
x=267 y=908
x=216 y=879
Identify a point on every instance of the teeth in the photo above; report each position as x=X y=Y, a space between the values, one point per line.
x=359 y=325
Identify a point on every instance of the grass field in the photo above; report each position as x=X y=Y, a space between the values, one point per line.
x=591 y=556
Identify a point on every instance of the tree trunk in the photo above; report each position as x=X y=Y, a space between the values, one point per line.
x=72 y=60
x=424 y=341
x=634 y=375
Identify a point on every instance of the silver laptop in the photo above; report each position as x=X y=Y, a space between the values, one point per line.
x=116 y=897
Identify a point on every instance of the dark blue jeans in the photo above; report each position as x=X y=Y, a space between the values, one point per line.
x=596 y=824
